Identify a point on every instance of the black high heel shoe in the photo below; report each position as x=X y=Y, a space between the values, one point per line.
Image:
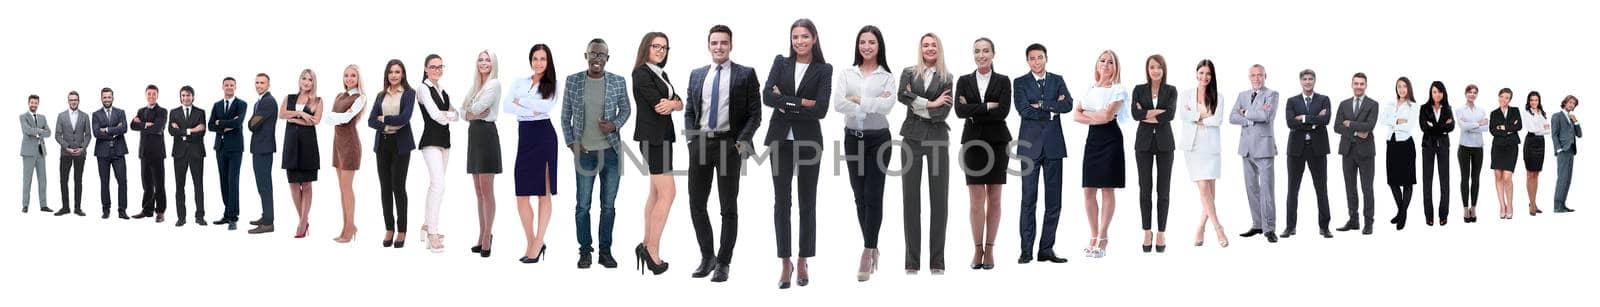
x=478 y=249
x=535 y=258
x=643 y=261
x=400 y=243
x=388 y=241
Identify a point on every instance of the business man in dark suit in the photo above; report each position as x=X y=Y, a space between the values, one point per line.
x=151 y=122
x=73 y=135
x=1354 y=123
x=1307 y=115
x=227 y=118
x=1565 y=131
x=109 y=125
x=1040 y=98
x=263 y=127
x=188 y=130
x=722 y=113
x=34 y=129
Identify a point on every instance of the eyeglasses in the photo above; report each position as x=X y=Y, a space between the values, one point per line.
x=659 y=47
x=436 y=67
x=597 y=55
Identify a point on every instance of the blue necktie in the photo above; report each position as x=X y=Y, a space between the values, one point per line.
x=716 y=93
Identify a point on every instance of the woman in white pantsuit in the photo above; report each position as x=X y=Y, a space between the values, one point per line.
x=1202 y=144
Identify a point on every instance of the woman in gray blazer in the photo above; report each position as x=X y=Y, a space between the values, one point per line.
x=925 y=89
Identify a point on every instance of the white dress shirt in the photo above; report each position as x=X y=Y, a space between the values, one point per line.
x=1098 y=99
x=877 y=98
x=1535 y=124
x=1470 y=120
x=487 y=99
x=1388 y=116
x=525 y=102
x=432 y=111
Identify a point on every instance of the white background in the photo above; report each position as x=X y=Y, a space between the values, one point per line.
x=56 y=46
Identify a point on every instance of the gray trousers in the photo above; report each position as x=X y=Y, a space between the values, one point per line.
x=1563 y=177
x=937 y=156
x=1258 y=187
x=32 y=167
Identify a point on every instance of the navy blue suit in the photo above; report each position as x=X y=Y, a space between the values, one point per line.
x=227 y=121
x=1042 y=146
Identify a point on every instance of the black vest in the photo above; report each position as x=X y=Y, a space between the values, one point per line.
x=433 y=133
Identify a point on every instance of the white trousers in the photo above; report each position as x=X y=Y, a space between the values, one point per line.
x=437 y=158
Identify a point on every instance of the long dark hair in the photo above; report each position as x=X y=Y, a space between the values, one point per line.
x=547 y=80
x=1411 y=91
x=1160 y=62
x=816 y=41
x=403 y=83
x=644 y=49
x=1211 y=89
x=1443 y=102
x=1529 y=104
x=883 y=62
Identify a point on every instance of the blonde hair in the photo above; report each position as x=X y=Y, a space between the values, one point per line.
x=1116 y=67
x=357 y=70
x=922 y=67
x=306 y=72
x=478 y=80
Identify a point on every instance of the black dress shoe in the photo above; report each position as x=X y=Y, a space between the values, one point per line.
x=78 y=212
x=220 y=222
x=122 y=215
x=1326 y=234
x=64 y=211
x=47 y=209
x=142 y=215
x=200 y=221
x=180 y=223
x=1051 y=258
x=1025 y=259
x=1271 y=238
x=105 y=215
x=705 y=268
x=1251 y=233
x=583 y=260
x=721 y=274
x=1287 y=233
x=255 y=223
x=1367 y=231
x=607 y=261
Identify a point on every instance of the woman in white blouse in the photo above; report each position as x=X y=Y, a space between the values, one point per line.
x=1400 y=122
x=347 y=107
x=1103 y=163
x=864 y=94
x=1537 y=123
x=483 y=140
x=434 y=145
x=1202 y=145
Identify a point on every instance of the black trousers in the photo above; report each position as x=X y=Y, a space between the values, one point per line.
x=1162 y=173
x=716 y=159
x=195 y=168
x=1359 y=203
x=867 y=155
x=1441 y=156
x=1318 y=164
x=153 y=177
x=75 y=165
x=113 y=165
x=795 y=160
x=392 y=166
x=1471 y=165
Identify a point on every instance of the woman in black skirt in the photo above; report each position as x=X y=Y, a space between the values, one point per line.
x=1504 y=122
x=984 y=100
x=1538 y=124
x=483 y=142
x=1153 y=106
x=1401 y=154
x=302 y=111
x=531 y=100
x=1102 y=150
x=656 y=100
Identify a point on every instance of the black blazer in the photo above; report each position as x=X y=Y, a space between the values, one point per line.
x=983 y=123
x=744 y=101
x=1316 y=124
x=1362 y=120
x=1504 y=126
x=1436 y=126
x=788 y=114
x=648 y=89
x=152 y=140
x=187 y=145
x=1157 y=136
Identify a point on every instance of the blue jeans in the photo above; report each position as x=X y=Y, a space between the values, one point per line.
x=604 y=163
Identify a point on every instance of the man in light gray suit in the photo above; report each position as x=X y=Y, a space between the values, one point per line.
x=1565 y=131
x=72 y=134
x=1253 y=111
x=34 y=130
x=1354 y=122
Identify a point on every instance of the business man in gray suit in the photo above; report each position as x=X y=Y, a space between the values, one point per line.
x=1353 y=123
x=34 y=130
x=1253 y=111
x=1565 y=130
x=110 y=148
x=72 y=134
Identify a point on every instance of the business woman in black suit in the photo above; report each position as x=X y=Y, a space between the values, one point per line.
x=1437 y=121
x=1504 y=123
x=1154 y=105
x=984 y=138
x=797 y=89
x=656 y=99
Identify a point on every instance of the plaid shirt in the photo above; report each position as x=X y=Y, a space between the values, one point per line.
x=616 y=110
